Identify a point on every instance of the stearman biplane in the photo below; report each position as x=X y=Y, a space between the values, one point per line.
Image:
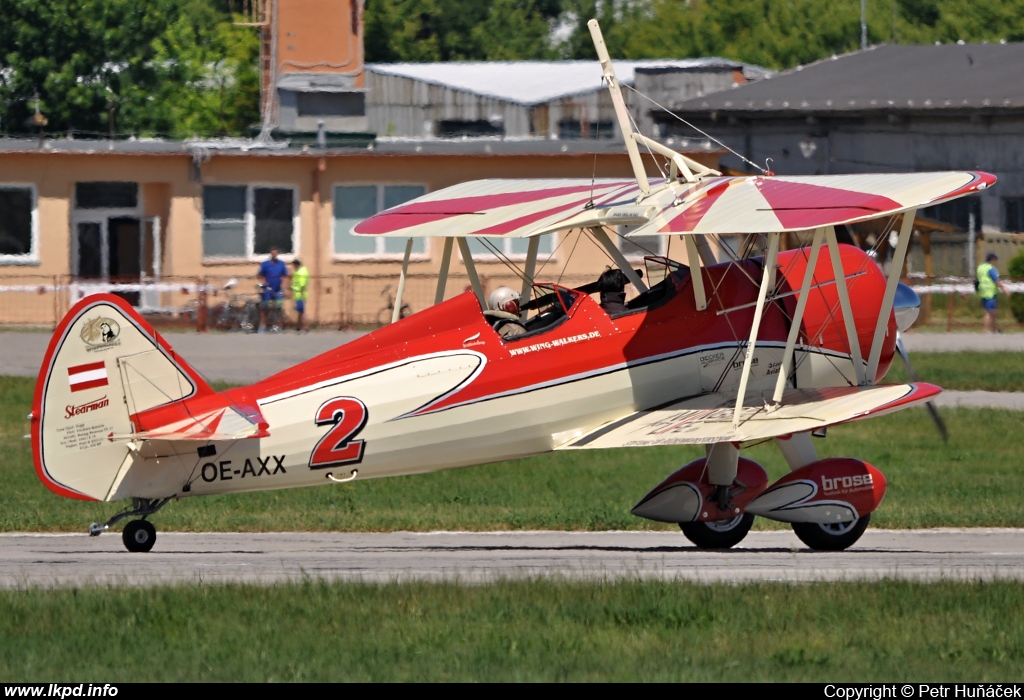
x=777 y=346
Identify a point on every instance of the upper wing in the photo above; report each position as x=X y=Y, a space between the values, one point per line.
x=709 y=419
x=779 y=204
x=496 y=207
x=521 y=208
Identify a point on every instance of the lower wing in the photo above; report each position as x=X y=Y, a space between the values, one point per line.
x=709 y=418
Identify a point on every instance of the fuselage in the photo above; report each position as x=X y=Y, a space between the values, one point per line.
x=442 y=389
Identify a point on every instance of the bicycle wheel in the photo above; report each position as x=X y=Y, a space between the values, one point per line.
x=249 y=318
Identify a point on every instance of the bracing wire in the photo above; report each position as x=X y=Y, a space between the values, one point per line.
x=699 y=131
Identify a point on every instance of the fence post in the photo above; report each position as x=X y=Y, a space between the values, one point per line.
x=201 y=309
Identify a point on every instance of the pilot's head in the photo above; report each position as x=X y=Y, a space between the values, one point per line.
x=612 y=280
x=504 y=299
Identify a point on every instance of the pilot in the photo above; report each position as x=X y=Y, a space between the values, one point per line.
x=612 y=286
x=503 y=312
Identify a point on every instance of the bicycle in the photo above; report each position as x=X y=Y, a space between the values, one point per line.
x=238 y=312
x=387 y=312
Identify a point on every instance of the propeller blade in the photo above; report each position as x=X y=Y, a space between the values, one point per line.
x=932 y=410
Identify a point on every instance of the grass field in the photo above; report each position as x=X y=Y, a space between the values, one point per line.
x=542 y=630
x=965 y=371
x=973 y=481
x=531 y=630
x=965 y=312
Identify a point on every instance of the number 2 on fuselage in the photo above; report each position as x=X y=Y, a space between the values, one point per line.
x=346 y=416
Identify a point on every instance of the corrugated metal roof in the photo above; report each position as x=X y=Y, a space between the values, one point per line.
x=884 y=78
x=534 y=82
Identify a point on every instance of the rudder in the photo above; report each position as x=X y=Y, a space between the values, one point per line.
x=104 y=364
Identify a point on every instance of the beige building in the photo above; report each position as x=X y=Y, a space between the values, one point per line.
x=156 y=222
x=159 y=222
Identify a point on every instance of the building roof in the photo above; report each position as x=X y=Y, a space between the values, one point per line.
x=537 y=82
x=884 y=78
x=253 y=147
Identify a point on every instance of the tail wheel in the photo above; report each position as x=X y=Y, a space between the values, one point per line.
x=833 y=537
x=718 y=534
x=139 y=536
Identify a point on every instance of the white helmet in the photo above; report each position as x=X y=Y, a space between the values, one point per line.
x=504 y=299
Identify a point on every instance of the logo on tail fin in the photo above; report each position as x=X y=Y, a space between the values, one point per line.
x=101 y=332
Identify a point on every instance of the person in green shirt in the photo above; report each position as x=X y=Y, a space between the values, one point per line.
x=989 y=285
x=300 y=292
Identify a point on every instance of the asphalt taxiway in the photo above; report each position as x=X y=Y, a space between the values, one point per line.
x=34 y=560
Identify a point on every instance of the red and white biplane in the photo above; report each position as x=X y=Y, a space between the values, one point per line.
x=721 y=354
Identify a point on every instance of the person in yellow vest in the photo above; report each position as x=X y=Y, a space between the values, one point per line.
x=989 y=285
x=300 y=292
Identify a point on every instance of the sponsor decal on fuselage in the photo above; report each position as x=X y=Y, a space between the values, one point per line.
x=557 y=342
x=711 y=358
x=72 y=411
x=100 y=333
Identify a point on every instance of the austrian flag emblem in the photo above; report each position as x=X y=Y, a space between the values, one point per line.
x=87 y=376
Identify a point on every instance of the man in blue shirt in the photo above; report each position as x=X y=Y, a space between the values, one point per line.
x=271 y=274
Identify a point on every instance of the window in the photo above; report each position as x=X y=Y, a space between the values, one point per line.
x=19 y=230
x=353 y=203
x=331 y=104
x=512 y=248
x=106 y=195
x=245 y=221
x=571 y=129
x=453 y=128
x=959 y=212
x=1013 y=214
x=641 y=246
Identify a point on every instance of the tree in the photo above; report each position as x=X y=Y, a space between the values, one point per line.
x=458 y=30
x=114 y=67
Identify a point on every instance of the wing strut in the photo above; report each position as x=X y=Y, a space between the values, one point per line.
x=442 y=276
x=798 y=316
x=895 y=270
x=474 y=279
x=601 y=237
x=767 y=280
x=620 y=107
x=693 y=260
x=843 y=289
x=528 y=271
x=396 y=313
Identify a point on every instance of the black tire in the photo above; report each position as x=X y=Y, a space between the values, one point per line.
x=719 y=534
x=833 y=537
x=139 y=536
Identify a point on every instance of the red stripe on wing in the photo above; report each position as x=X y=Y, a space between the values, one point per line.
x=416 y=213
x=800 y=205
x=691 y=216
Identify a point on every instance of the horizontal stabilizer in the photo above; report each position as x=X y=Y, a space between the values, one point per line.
x=709 y=419
x=231 y=423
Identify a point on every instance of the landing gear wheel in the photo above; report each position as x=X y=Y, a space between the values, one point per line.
x=833 y=537
x=718 y=534
x=139 y=536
